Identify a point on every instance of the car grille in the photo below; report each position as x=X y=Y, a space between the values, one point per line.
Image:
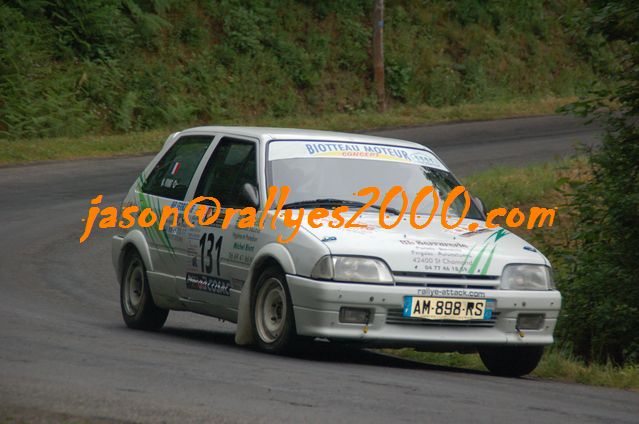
x=427 y=279
x=395 y=316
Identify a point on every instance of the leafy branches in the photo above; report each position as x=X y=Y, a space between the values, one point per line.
x=600 y=274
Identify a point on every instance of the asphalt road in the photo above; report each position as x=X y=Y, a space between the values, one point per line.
x=65 y=353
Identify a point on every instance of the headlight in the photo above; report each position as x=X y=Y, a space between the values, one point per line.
x=352 y=268
x=526 y=277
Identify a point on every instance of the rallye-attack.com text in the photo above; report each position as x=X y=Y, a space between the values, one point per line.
x=316 y=217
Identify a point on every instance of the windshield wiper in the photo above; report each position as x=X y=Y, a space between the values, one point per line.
x=327 y=201
x=333 y=202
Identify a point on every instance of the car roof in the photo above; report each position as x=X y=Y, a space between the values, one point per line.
x=270 y=133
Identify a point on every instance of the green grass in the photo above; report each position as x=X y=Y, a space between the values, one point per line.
x=555 y=365
x=29 y=150
x=508 y=186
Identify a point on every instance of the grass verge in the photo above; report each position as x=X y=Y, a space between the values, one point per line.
x=524 y=187
x=556 y=365
x=94 y=146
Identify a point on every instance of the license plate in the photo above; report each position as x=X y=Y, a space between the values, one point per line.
x=443 y=308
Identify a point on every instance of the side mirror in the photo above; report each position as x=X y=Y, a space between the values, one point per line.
x=480 y=205
x=249 y=193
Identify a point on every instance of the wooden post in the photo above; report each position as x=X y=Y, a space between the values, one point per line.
x=378 y=53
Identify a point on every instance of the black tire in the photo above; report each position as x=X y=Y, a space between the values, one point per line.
x=138 y=308
x=283 y=340
x=511 y=361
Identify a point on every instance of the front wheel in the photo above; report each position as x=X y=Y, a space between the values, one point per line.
x=511 y=361
x=272 y=313
x=138 y=309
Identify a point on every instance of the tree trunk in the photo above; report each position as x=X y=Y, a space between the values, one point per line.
x=378 y=53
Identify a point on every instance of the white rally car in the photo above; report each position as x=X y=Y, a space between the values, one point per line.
x=433 y=288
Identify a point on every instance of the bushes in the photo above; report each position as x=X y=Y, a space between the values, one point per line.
x=600 y=278
x=35 y=96
x=75 y=66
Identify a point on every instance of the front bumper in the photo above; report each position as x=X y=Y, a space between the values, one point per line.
x=317 y=305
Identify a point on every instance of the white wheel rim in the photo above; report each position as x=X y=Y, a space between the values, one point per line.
x=270 y=310
x=133 y=286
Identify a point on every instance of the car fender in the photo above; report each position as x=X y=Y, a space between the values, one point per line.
x=272 y=251
x=137 y=239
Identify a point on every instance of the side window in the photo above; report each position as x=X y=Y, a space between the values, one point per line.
x=173 y=173
x=232 y=165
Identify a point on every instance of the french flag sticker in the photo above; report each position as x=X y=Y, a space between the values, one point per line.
x=176 y=167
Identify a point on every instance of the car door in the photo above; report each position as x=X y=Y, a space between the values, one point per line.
x=166 y=185
x=220 y=258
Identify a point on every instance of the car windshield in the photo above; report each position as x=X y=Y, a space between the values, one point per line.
x=327 y=180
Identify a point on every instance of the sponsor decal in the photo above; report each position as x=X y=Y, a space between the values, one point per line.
x=426 y=160
x=153 y=231
x=208 y=284
x=446 y=292
x=480 y=262
x=350 y=150
x=243 y=247
x=437 y=256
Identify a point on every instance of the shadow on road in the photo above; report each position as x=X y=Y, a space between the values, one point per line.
x=208 y=336
x=318 y=351
x=335 y=352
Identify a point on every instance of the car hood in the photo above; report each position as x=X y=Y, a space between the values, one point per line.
x=434 y=249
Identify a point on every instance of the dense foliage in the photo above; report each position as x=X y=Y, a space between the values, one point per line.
x=71 y=67
x=600 y=270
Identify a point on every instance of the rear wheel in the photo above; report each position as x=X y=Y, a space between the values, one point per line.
x=138 y=309
x=272 y=313
x=511 y=361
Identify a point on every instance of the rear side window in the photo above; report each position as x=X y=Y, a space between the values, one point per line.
x=173 y=173
x=232 y=165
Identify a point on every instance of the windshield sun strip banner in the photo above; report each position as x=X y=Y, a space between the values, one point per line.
x=351 y=150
